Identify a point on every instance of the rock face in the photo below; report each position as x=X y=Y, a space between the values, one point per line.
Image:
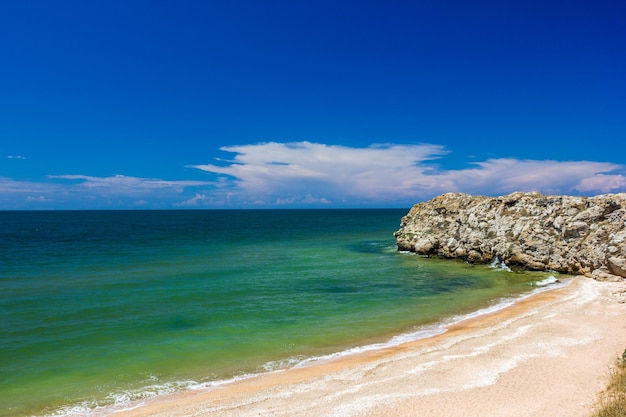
x=579 y=235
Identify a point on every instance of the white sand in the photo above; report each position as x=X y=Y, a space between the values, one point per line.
x=549 y=355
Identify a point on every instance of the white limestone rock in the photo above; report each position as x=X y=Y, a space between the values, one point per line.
x=567 y=234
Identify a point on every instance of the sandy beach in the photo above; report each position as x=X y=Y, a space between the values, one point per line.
x=548 y=355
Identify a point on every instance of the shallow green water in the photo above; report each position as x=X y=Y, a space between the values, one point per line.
x=102 y=308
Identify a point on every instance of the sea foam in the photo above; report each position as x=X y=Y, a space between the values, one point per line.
x=129 y=400
x=545 y=282
x=499 y=264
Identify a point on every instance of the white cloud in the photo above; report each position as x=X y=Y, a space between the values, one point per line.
x=603 y=183
x=40 y=199
x=194 y=201
x=83 y=191
x=303 y=171
x=311 y=173
x=9 y=186
x=549 y=177
x=318 y=175
x=307 y=199
x=16 y=157
x=121 y=184
x=25 y=194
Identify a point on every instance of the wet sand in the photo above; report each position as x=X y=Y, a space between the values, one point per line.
x=548 y=355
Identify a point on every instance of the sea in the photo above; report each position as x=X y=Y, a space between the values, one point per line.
x=102 y=310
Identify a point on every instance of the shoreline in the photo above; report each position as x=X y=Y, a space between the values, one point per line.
x=547 y=354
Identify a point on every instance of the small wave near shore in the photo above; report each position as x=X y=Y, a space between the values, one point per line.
x=133 y=399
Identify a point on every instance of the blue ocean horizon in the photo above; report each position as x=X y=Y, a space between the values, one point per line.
x=105 y=308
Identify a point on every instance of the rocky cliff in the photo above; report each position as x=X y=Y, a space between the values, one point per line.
x=579 y=235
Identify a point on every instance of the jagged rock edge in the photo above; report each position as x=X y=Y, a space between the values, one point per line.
x=567 y=234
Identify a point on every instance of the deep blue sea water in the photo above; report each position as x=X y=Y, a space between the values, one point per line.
x=103 y=308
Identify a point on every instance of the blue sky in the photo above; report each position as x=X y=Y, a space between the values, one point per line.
x=281 y=104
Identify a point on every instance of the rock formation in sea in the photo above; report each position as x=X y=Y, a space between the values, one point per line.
x=576 y=235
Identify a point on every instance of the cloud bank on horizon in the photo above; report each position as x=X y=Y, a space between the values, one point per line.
x=307 y=174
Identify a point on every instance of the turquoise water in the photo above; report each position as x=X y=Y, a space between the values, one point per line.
x=100 y=308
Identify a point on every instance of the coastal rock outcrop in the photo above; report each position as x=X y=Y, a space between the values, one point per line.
x=576 y=235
